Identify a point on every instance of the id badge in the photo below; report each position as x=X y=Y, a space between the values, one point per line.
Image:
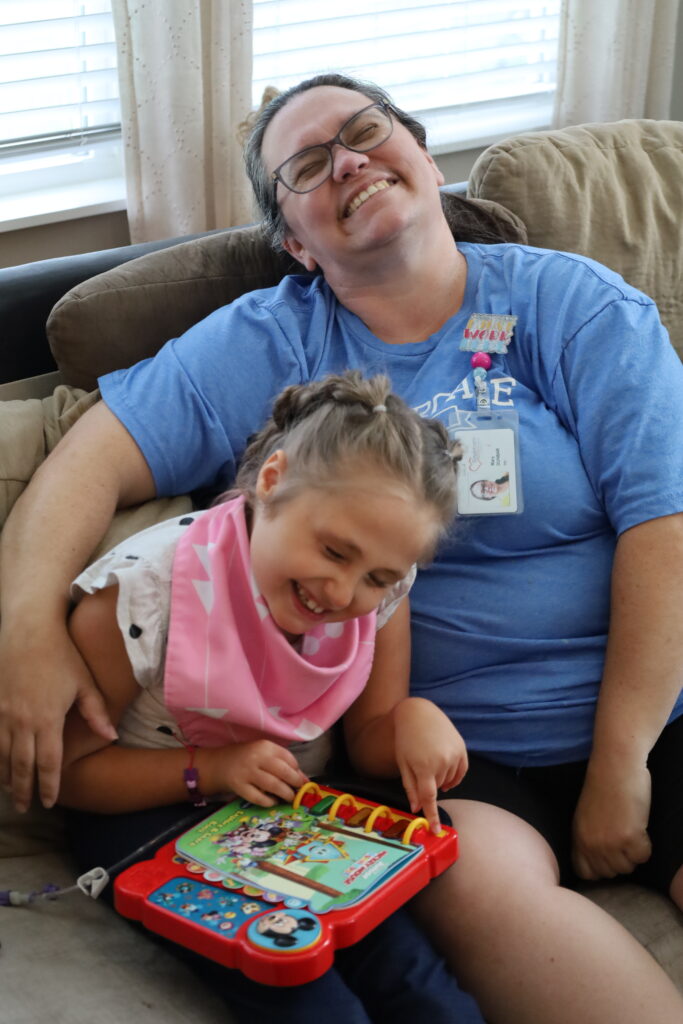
x=488 y=479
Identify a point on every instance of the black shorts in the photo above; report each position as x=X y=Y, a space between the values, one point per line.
x=546 y=798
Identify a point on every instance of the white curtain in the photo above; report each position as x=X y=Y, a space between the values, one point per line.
x=185 y=81
x=615 y=60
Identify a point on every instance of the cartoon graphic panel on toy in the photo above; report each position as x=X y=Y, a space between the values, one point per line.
x=355 y=862
x=295 y=853
x=285 y=930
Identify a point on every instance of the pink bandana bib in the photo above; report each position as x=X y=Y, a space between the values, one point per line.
x=230 y=673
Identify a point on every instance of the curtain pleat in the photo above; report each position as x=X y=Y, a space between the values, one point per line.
x=185 y=83
x=615 y=60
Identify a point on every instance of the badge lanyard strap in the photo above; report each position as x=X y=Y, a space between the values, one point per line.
x=489 y=438
x=481 y=364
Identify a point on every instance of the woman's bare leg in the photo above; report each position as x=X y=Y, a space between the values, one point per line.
x=530 y=951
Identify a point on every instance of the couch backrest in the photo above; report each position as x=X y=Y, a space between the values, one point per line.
x=613 y=192
x=128 y=312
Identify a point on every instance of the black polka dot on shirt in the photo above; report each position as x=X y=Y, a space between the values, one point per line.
x=135 y=631
x=186 y=520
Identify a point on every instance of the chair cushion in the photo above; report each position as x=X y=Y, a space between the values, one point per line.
x=613 y=192
x=74 y=960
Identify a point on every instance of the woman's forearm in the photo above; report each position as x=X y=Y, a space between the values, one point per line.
x=641 y=681
x=643 y=672
x=64 y=513
x=46 y=541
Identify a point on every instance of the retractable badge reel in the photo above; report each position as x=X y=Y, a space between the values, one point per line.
x=489 y=480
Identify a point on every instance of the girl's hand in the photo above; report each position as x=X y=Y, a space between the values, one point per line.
x=430 y=753
x=610 y=823
x=260 y=771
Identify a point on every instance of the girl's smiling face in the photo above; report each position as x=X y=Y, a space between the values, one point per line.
x=328 y=553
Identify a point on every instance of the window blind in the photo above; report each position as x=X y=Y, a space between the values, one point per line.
x=439 y=57
x=58 y=79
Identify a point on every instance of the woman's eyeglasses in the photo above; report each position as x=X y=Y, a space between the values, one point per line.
x=310 y=167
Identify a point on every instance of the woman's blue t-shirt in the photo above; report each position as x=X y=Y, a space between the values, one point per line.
x=510 y=622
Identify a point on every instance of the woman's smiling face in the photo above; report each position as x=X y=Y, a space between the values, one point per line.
x=368 y=200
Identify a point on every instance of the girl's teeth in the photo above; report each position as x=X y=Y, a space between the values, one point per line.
x=307 y=602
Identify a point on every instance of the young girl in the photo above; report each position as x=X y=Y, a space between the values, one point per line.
x=226 y=643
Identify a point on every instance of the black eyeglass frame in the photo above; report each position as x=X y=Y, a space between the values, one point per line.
x=336 y=141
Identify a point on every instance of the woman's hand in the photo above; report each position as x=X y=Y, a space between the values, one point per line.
x=430 y=753
x=610 y=823
x=261 y=771
x=41 y=679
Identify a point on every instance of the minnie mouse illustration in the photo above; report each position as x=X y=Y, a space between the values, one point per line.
x=252 y=838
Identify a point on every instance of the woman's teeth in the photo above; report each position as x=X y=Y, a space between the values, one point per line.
x=308 y=602
x=365 y=194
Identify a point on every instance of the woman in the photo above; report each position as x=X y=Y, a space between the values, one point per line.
x=531 y=676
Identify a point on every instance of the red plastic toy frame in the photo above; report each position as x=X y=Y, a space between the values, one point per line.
x=339 y=928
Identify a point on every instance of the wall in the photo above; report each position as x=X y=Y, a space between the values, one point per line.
x=457 y=166
x=64 y=238
x=677 y=99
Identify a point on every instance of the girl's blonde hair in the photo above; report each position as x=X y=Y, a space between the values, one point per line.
x=346 y=419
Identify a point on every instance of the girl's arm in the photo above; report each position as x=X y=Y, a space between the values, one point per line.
x=388 y=733
x=98 y=776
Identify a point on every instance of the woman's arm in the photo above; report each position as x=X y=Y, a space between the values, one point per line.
x=388 y=732
x=642 y=679
x=98 y=776
x=54 y=526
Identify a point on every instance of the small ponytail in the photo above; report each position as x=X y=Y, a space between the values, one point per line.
x=349 y=418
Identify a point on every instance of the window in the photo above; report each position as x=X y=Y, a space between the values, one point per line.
x=473 y=70
x=60 y=146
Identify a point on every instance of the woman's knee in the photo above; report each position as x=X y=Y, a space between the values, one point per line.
x=502 y=863
x=496 y=845
x=505 y=868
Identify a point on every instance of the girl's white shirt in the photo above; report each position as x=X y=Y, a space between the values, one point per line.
x=142 y=567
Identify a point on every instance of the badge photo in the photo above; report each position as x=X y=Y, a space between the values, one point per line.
x=487 y=473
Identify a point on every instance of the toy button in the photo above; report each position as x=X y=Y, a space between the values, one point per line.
x=396 y=829
x=322 y=806
x=359 y=817
x=285 y=931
